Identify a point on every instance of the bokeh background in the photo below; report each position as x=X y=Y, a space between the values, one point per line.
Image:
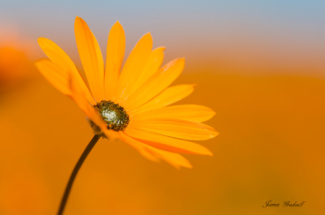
x=259 y=64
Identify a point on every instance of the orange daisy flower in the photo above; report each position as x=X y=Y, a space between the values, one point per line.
x=130 y=103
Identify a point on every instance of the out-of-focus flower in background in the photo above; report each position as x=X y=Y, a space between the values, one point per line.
x=16 y=59
x=14 y=68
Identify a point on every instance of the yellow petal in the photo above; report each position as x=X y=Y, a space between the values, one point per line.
x=183 y=129
x=55 y=75
x=58 y=56
x=153 y=63
x=114 y=59
x=110 y=134
x=167 y=143
x=69 y=85
x=196 y=113
x=91 y=58
x=133 y=68
x=167 y=97
x=156 y=84
x=78 y=95
x=174 y=159
x=141 y=149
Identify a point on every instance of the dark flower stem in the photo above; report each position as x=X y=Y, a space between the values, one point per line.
x=75 y=172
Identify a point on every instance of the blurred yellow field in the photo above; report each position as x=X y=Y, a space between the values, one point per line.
x=269 y=148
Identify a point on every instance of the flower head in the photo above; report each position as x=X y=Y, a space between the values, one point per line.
x=130 y=103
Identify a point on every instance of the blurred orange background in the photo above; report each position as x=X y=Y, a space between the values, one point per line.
x=266 y=86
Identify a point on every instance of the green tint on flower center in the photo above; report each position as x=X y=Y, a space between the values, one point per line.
x=113 y=114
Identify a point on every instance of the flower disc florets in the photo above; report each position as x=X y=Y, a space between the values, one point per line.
x=113 y=114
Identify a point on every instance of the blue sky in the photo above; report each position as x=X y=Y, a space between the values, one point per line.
x=296 y=26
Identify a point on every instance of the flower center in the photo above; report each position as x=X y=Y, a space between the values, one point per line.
x=113 y=114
